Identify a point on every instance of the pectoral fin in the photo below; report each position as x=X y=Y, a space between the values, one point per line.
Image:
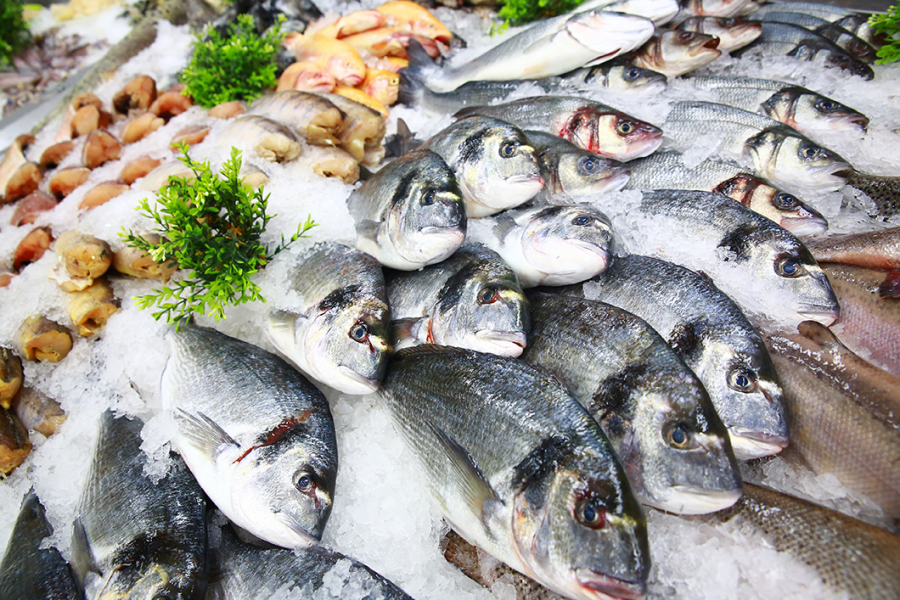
x=203 y=433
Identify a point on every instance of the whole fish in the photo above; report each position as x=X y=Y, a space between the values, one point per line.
x=587 y=124
x=710 y=333
x=520 y=469
x=806 y=111
x=658 y=11
x=761 y=266
x=655 y=412
x=471 y=300
x=844 y=412
x=411 y=213
x=733 y=32
x=549 y=47
x=666 y=170
x=572 y=174
x=675 y=53
x=495 y=167
x=883 y=190
x=335 y=328
x=874 y=249
x=29 y=571
x=559 y=244
x=845 y=40
x=777 y=152
x=134 y=538
x=854 y=22
x=255 y=433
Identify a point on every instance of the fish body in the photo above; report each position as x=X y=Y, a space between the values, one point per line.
x=314 y=118
x=711 y=8
x=733 y=32
x=872 y=249
x=709 y=332
x=853 y=22
x=411 y=213
x=587 y=124
x=495 y=167
x=362 y=130
x=845 y=40
x=883 y=190
x=136 y=538
x=658 y=11
x=655 y=412
x=676 y=52
x=471 y=300
x=336 y=331
x=255 y=433
x=559 y=244
x=269 y=139
x=520 y=469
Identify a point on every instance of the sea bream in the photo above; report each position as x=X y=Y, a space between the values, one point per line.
x=256 y=434
x=334 y=325
x=675 y=52
x=520 y=469
x=471 y=300
x=733 y=32
x=655 y=412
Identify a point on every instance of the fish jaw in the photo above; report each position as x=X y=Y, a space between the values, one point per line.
x=748 y=445
x=687 y=500
x=643 y=147
x=826 y=315
x=608 y=33
x=354 y=383
x=597 y=586
x=501 y=343
x=739 y=36
x=581 y=260
x=804 y=223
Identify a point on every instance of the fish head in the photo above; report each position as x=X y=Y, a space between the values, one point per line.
x=811 y=112
x=855 y=66
x=581 y=173
x=783 y=155
x=165 y=575
x=611 y=133
x=571 y=243
x=779 y=206
x=733 y=32
x=676 y=52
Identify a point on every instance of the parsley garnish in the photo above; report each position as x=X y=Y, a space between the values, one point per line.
x=889 y=25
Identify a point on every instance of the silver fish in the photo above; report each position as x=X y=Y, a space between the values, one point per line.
x=616 y=75
x=845 y=40
x=733 y=32
x=411 y=213
x=336 y=329
x=711 y=8
x=854 y=22
x=256 y=434
x=269 y=139
x=658 y=11
x=520 y=469
x=675 y=53
x=873 y=249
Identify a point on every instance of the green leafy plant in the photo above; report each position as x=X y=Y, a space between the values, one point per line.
x=14 y=32
x=212 y=226
x=239 y=67
x=519 y=12
x=888 y=25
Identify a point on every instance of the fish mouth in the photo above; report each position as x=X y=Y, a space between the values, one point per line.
x=849 y=123
x=530 y=179
x=301 y=538
x=826 y=315
x=805 y=224
x=690 y=500
x=829 y=177
x=355 y=384
x=748 y=445
x=642 y=148
x=709 y=44
x=505 y=343
x=604 y=587
x=614 y=182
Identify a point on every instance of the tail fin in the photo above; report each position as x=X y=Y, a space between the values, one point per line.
x=419 y=61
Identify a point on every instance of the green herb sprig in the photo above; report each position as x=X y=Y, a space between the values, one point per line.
x=519 y=12
x=888 y=25
x=14 y=32
x=212 y=226
x=239 y=67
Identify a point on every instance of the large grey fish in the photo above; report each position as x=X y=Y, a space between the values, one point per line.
x=495 y=167
x=733 y=32
x=29 y=571
x=675 y=53
x=256 y=434
x=713 y=337
x=854 y=22
x=240 y=570
x=874 y=249
x=411 y=213
x=666 y=170
x=520 y=469
x=472 y=300
x=588 y=124
x=777 y=152
x=336 y=327
x=844 y=39
x=655 y=412
x=805 y=110
x=761 y=266
x=134 y=538
x=559 y=244
x=844 y=412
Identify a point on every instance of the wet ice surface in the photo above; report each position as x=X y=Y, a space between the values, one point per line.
x=381 y=514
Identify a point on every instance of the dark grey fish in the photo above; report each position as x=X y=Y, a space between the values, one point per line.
x=135 y=538
x=733 y=32
x=883 y=190
x=844 y=39
x=854 y=22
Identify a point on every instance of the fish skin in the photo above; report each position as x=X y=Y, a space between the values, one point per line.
x=618 y=75
x=411 y=213
x=143 y=539
x=874 y=249
x=443 y=303
x=587 y=124
x=337 y=329
x=733 y=32
x=761 y=266
x=495 y=167
x=676 y=52
x=709 y=332
x=641 y=394
x=29 y=571
x=517 y=467
x=883 y=190
x=842 y=38
x=844 y=412
x=252 y=468
x=558 y=244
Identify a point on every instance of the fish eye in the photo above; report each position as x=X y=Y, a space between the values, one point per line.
x=679 y=437
x=581 y=220
x=788 y=267
x=587 y=165
x=487 y=296
x=509 y=149
x=631 y=74
x=590 y=515
x=304 y=481
x=428 y=198
x=810 y=151
x=625 y=127
x=826 y=105
x=743 y=380
x=359 y=332
x=784 y=201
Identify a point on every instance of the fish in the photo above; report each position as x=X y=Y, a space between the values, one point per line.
x=761 y=266
x=658 y=11
x=778 y=153
x=133 y=537
x=520 y=469
x=844 y=412
x=667 y=170
x=268 y=139
x=873 y=249
x=335 y=325
x=854 y=22
x=805 y=110
x=845 y=40
x=471 y=300
x=676 y=52
x=549 y=47
x=587 y=124
x=883 y=190
x=495 y=167
x=416 y=18
x=733 y=32
x=361 y=132
x=655 y=412
x=411 y=213
x=314 y=118
x=29 y=571
x=552 y=245
x=709 y=332
x=711 y=8
x=263 y=448
x=615 y=75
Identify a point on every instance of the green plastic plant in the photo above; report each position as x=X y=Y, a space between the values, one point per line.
x=239 y=67
x=519 y=12
x=212 y=226
x=888 y=25
x=14 y=32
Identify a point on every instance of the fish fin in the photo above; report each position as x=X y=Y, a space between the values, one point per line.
x=280 y=330
x=203 y=433
x=365 y=174
x=890 y=287
x=419 y=61
x=503 y=224
x=368 y=229
x=403 y=141
x=477 y=491
x=83 y=561
x=402 y=329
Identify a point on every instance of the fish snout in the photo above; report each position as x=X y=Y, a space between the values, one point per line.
x=602 y=587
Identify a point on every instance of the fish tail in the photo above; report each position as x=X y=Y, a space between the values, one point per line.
x=420 y=63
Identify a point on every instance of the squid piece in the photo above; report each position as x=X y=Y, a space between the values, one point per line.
x=44 y=340
x=10 y=376
x=90 y=308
